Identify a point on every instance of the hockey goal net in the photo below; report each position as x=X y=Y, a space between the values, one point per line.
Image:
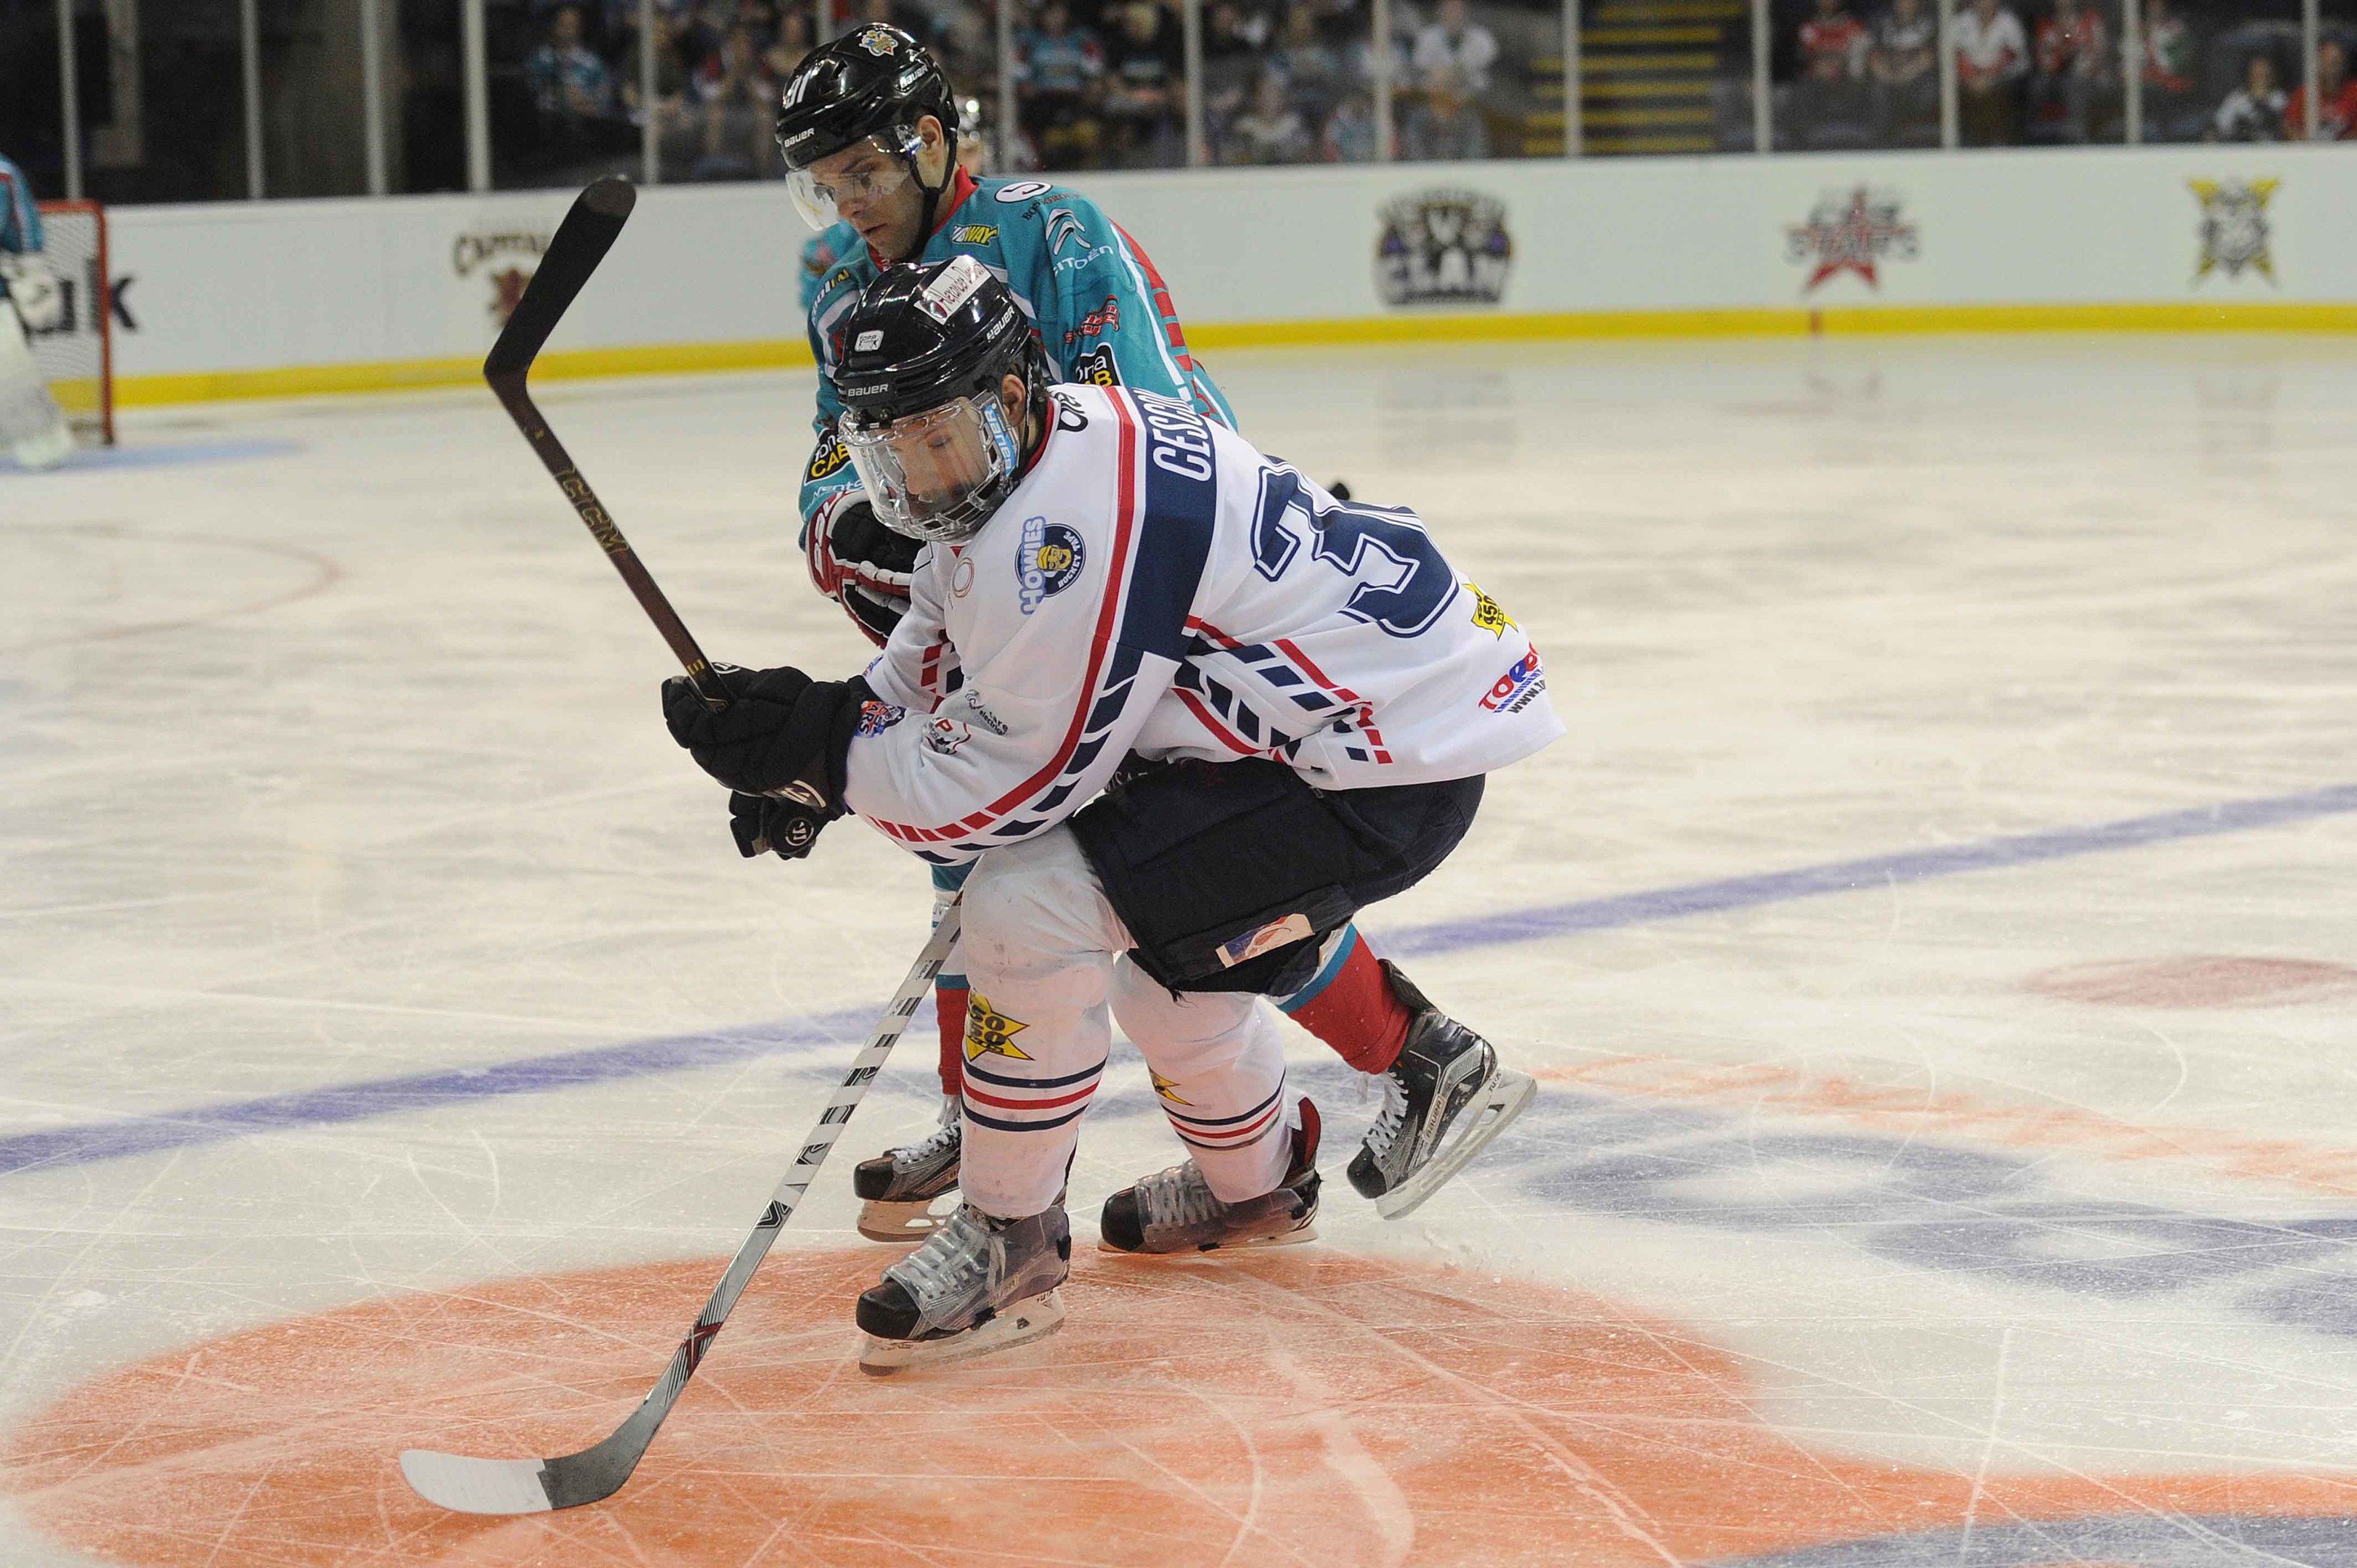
x=77 y=356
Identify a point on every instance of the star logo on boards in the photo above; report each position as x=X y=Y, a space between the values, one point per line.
x=1164 y=1086
x=1852 y=233
x=2235 y=228
x=989 y=1032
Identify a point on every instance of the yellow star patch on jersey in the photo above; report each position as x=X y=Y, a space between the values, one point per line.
x=1488 y=613
x=1163 y=1085
x=989 y=1032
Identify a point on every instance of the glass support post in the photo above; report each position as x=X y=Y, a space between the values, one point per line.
x=1009 y=131
x=1198 y=152
x=1763 y=95
x=2311 y=39
x=1572 y=95
x=2132 y=70
x=372 y=95
x=472 y=63
x=1379 y=44
x=69 y=95
x=249 y=47
x=649 y=127
x=1950 y=137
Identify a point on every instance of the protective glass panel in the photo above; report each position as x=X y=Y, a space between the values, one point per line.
x=162 y=108
x=1664 y=76
x=2336 y=103
x=1850 y=74
x=2233 y=67
x=1484 y=80
x=1101 y=83
x=559 y=114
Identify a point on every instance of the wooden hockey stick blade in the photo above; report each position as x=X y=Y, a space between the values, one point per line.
x=582 y=241
x=464 y=1484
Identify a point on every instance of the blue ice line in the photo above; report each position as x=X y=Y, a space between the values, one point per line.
x=93 y=1142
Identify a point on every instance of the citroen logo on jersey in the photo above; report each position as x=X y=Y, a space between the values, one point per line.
x=1165 y=1088
x=1064 y=226
x=989 y=1032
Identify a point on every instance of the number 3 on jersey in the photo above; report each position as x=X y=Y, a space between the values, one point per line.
x=1404 y=583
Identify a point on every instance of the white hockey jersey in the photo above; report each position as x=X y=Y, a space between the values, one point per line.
x=1156 y=584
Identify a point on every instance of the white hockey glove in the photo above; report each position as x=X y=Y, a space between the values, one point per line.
x=34 y=290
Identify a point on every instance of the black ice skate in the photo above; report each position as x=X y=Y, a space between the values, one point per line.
x=1444 y=1100
x=901 y=1185
x=977 y=1285
x=1175 y=1210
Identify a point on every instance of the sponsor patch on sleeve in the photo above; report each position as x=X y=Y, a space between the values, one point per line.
x=1097 y=367
x=876 y=717
x=1519 y=687
x=974 y=233
x=1047 y=561
x=829 y=458
x=1488 y=614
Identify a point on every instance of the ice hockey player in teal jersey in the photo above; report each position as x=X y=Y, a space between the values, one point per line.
x=868 y=131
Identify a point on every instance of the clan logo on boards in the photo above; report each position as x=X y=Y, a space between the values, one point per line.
x=2234 y=230
x=1443 y=247
x=1852 y=233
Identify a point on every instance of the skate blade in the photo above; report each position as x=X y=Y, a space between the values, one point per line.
x=1255 y=1243
x=1018 y=1324
x=1503 y=1098
x=902 y=1222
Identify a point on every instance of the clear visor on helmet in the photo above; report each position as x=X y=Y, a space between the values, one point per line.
x=935 y=475
x=846 y=183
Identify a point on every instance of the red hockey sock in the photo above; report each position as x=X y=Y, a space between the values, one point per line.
x=949 y=1003
x=1350 y=1005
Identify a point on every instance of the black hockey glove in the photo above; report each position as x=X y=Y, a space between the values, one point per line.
x=861 y=566
x=782 y=726
x=767 y=823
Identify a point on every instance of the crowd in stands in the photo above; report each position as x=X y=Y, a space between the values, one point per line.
x=2058 y=78
x=1099 y=83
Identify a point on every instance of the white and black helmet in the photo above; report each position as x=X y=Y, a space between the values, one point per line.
x=921 y=359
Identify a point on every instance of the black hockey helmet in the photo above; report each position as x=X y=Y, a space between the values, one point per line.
x=922 y=354
x=874 y=82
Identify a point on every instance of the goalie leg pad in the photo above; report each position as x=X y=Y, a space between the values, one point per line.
x=32 y=430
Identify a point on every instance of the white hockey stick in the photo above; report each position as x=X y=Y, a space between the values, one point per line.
x=539 y=1486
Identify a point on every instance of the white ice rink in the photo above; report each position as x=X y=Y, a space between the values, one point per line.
x=1937 y=942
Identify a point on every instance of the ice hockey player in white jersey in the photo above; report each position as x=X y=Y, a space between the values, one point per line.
x=1188 y=713
x=32 y=430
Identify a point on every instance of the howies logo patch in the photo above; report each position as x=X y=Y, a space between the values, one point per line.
x=974 y=235
x=1488 y=614
x=1048 y=562
x=989 y=1032
x=830 y=457
x=1519 y=687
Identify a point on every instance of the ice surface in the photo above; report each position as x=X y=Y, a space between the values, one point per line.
x=393 y=1047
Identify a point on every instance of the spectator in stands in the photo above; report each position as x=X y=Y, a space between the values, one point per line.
x=2074 y=68
x=1311 y=68
x=1060 y=79
x=2255 y=110
x=1349 y=134
x=1444 y=124
x=2336 y=103
x=1233 y=36
x=1145 y=86
x=739 y=101
x=570 y=85
x=1903 y=64
x=1992 y=57
x=1270 y=132
x=1457 y=45
x=1831 y=91
x=2168 y=70
x=789 y=45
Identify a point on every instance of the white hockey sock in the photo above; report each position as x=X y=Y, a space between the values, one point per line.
x=1219 y=1071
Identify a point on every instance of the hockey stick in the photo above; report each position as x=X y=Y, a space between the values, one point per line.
x=540 y=1485
x=581 y=242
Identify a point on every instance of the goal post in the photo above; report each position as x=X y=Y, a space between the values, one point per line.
x=77 y=356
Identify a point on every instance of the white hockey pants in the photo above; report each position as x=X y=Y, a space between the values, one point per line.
x=1042 y=952
x=32 y=430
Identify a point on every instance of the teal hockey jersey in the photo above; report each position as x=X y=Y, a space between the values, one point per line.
x=1102 y=310
x=20 y=216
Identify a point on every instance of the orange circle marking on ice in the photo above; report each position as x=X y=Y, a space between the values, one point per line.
x=2197 y=982
x=1303 y=1408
